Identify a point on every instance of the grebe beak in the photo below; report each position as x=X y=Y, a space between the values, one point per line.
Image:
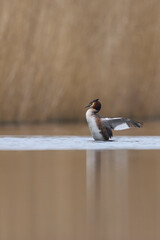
x=88 y=105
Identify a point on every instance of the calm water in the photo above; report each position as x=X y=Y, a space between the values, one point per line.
x=89 y=194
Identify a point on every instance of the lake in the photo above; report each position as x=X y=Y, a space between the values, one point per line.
x=57 y=183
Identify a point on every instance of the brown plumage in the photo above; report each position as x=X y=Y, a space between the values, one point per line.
x=103 y=130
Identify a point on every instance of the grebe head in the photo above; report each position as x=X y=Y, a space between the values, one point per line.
x=95 y=104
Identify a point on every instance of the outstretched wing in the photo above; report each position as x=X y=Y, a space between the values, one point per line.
x=120 y=123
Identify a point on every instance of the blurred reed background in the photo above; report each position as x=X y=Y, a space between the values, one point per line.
x=57 y=55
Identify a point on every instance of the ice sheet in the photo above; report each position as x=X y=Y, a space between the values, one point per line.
x=22 y=143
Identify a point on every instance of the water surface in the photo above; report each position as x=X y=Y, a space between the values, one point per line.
x=90 y=194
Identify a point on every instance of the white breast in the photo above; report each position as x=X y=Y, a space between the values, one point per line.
x=95 y=131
